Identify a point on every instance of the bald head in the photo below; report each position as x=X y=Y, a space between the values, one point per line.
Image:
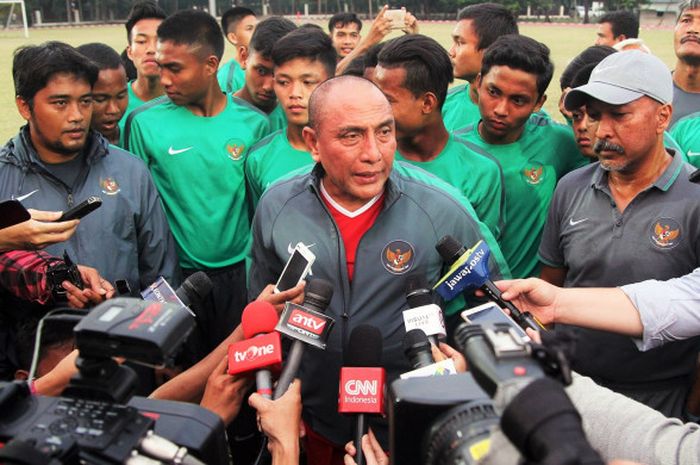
x=336 y=89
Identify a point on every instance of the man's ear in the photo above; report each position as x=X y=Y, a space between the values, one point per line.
x=128 y=52
x=243 y=56
x=212 y=64
x=539 y=104
x=231 y=36
x=430 y=103
x=23 y=107
x=663 y=116
x=310 y=137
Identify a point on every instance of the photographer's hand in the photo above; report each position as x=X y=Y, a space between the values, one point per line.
x=38 y=232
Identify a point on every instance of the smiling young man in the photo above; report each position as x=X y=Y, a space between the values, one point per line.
x=344 y=29
x=371 y=223
x=686 y=75
x=195 y=142
x=635 y=215
x=414 y=72
x=256 y=59
x=478 y=26
x=141 y=26
x=534 y=153
x=238 y=25
x=302 y=59
x=110 y=95
x=56 y=162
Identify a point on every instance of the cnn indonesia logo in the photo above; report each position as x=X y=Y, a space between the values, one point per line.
x=359 y=391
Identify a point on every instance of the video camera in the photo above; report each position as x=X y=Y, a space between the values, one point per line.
x=512 y=383
x=96 y=421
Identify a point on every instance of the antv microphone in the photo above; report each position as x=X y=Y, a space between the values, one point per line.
x=262 y=348
x=305 y=323
x=362 y=381
x=469 y=270
x=423 y=313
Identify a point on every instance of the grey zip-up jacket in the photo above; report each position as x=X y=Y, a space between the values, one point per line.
x=127 y=237
x=419 y=209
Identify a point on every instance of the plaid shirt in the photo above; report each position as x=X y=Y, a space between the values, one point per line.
x=23 y=274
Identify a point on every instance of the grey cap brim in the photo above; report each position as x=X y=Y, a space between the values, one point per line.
x=602 y=91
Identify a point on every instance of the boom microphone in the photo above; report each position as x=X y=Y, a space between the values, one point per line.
x=305 y=323
x=262 y=348
x=362 y=381
x=423 y=312
x=469 y=270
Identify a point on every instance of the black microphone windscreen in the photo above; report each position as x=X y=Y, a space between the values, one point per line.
x=449 y=249
x=195 y=288
x=318 y=293
x=418 y=291
x=414 y=339
x=365 y=347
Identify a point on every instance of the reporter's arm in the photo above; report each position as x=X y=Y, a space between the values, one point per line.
x=224 y=393
x=621 y=428
x=53 y=382
x=38 y=232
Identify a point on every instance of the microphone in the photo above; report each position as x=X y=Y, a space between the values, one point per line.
x=469 y=270
x=304 y=323
x=423 y=312
x=416 y=346
x=262 y=348
x=192 y=291
x=362 y=381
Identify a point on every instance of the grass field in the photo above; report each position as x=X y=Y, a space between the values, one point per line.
x=564 y=41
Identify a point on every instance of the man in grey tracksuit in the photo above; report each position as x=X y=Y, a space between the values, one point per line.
x=353 y=141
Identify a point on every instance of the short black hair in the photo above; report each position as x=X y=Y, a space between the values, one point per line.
x=583 y=75
x=34 y=65
x=233 y=16
x=306 y=42
x=366 y=60
x=427 y=64
x=592 y=55
x=622 y=22
x=268 y=32
x=523 y=53
x=341 y=19
x=193 y=27
x=490 y=21
x=142 y=10
x=104 y=56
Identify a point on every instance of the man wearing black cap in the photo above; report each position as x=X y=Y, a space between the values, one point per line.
x=634 y=215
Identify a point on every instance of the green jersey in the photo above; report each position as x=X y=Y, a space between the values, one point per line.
x=531 y=167
x=686 y=132
x=197 y=166
x=134 y=103
x=475 y=173
x=271 y=159
x=278 y=120
x=458 y=110
x=231 y=77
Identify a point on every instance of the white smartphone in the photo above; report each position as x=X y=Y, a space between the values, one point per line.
x=492 y=313
x=296 y=269
x=397 y=18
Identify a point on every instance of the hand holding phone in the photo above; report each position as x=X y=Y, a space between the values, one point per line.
x=296 y=269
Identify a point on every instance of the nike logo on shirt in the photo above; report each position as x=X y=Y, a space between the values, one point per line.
x=173 y=151
x=574 y=223
x=22 y=197
x=693 y=154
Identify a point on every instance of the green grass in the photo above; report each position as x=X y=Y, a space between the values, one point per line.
x=564 y=41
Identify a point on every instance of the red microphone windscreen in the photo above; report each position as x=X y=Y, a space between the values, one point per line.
x=258 y=317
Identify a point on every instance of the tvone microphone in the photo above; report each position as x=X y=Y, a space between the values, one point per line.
x=261 y=350
x=304 y=323
x=423 y=313
x=469 y=270
x=362 y=381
